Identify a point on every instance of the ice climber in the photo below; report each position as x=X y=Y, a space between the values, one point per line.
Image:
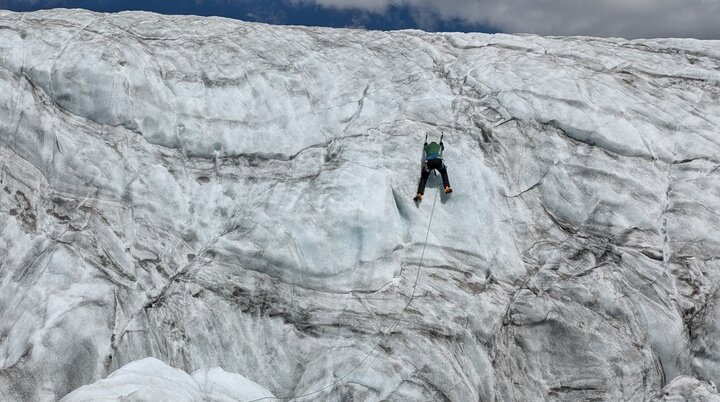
x=432 y=160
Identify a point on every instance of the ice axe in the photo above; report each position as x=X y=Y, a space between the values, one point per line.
x=442 y=134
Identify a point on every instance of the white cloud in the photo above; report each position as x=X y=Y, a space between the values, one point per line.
x=626 y=18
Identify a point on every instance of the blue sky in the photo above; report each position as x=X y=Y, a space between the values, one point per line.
x=617 y=18
x=284 y=12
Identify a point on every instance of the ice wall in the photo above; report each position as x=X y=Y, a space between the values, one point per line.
x=222 y=195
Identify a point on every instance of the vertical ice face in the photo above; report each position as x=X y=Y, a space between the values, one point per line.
x=234 y=200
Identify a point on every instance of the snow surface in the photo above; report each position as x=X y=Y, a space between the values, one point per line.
x=232 y=196
x=150 y=379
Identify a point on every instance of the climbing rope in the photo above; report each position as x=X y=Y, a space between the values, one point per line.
x=388 y=332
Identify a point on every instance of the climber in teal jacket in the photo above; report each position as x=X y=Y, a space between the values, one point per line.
x=432 y=160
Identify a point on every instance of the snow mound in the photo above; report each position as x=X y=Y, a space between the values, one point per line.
x=150 y=379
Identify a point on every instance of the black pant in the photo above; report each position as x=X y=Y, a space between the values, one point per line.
x=427 y=167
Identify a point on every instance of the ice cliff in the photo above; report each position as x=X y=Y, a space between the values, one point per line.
x=222 y=210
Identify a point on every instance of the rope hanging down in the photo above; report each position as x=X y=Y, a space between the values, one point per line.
x=389 y=331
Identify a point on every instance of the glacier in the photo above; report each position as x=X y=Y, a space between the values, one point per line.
x=205 y=208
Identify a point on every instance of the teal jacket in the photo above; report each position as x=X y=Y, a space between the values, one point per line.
x=434 y=150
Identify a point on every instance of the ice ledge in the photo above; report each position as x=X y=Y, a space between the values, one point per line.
x=684 y=388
